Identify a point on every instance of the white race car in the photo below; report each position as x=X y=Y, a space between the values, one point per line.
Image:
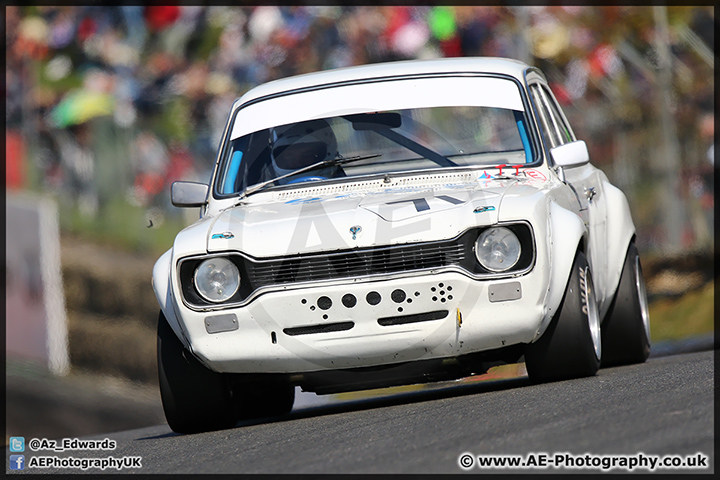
x=391 y=224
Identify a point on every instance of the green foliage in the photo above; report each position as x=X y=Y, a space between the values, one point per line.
x=123 y=226
x=687 y=316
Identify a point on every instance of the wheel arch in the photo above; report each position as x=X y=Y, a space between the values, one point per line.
x=620 y=233
x=163 y=292
x=567 y=234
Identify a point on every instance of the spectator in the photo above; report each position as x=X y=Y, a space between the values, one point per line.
x=174 y=70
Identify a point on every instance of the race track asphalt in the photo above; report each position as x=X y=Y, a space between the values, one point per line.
x=662 y=407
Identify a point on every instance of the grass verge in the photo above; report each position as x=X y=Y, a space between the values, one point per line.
x=129 y=227
x=686 y=316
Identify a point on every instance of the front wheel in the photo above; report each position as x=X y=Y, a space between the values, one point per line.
x=571 y=346
x=194 y=398
x=626 y=328
x=260 y=399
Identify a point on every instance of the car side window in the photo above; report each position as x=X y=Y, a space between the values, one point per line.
x=549 y=131
x=565 y=132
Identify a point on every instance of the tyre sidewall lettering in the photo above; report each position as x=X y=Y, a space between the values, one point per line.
x=583 y=291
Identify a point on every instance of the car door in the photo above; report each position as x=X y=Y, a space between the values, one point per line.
x=585 y=180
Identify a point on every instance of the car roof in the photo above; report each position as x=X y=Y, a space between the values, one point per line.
x=506 y=66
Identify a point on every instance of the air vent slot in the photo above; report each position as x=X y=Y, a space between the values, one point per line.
x=418 y=317
x=319 y=328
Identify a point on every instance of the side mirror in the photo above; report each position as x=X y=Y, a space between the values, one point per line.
x=571 y=154
x=188 y=194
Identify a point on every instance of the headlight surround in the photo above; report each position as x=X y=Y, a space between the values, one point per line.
x=216 y=279
x=497 y=249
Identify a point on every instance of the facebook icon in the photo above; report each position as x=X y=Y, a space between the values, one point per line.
x=17 y=462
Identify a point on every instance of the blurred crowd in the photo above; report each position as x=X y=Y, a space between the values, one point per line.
x=107 y=102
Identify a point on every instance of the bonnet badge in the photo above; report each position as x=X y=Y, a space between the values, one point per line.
x=488 y=208
x=225 y=235
x=355 y=230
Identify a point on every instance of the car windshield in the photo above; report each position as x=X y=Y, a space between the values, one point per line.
x=393 y=141
x=360 y=128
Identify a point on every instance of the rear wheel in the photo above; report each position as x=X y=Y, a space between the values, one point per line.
x=570 y=347
x=626 y=328
x=194 y=398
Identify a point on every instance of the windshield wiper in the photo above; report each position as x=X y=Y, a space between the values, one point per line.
x=323 y=163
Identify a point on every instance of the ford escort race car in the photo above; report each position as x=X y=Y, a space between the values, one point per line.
x=389 y=224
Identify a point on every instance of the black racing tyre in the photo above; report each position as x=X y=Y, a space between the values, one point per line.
x=626 y=327
x=570 y=347
x=194 y=398
x=262 y=399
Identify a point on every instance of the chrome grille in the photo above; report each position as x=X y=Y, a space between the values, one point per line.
x=354 y=263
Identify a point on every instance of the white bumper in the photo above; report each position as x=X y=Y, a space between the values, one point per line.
x=265 y=342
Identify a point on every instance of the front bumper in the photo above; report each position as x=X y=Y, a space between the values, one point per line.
x=439 y=314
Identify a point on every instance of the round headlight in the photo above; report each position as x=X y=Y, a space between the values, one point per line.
x=497 y=249
x=217 y=279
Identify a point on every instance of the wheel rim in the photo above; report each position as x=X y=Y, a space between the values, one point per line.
x=593 y=315
x=642 y=297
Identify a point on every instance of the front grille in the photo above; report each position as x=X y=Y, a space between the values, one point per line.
x=256 y=273
x=354 y=263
